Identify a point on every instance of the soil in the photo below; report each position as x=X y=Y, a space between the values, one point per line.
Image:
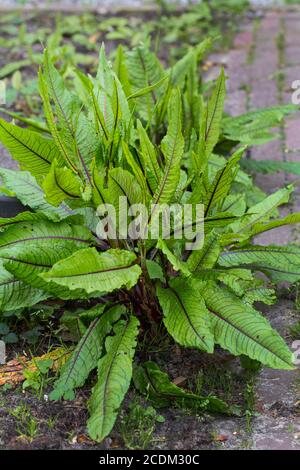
x=275 y=421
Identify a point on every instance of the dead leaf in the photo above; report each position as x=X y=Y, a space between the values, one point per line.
x=83 y=439
x=221 y=438
x=179 y=381
x=94 y=38
x=12 y=372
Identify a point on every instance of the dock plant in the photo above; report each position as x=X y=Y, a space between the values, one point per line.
x=153 y=137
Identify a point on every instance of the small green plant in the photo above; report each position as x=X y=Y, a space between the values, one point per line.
x=26 y=424
x=6 y=334
x=294 y=331
x=37 y=379
x=144 y=135
x=215 y=380
x=138 y=425
x=250 y=401
x=51 y=422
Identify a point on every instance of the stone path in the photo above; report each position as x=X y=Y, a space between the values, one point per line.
x=261 y=67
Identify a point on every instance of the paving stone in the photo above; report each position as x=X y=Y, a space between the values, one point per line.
x=290 y=75
x=268 y=151
x=264 y=68
x=264 y=94
x=270 y=183
x=291 y=33
x=277 y=386
x=275 y=434
x=278 y=424
x=212 y=73
x=280 y=235
x=292 y=133
x=270 y=24
x=236 y=103
x=292 y=54
x=237 y=69
x=292 y=15
x=5 y=159
x=219 y=58
x=243 y=40
x=292 y=156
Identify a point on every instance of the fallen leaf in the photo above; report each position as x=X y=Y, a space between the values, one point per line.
x=179 y=381
x=94 y=38
x=221 y=438
x=12 y=372
x=83 y=439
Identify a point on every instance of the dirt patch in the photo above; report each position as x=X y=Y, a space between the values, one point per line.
x=270 y=410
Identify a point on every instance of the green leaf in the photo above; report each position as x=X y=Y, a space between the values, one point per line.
x=31 y=248
x=222 y=182
x=114 y=377
x=137 y=171
x=180 y=70
x=58 y=137
x=242 y=330
x=156 y=385
x=148 y=154
x=92 y=271
x=185 y=315
x=122 y=183
x=31 y=124
x=26 y=189
x=79 y=139
x=144 y=71
x=280 y=263
x=121 y=69
x=110 y=94
x=4 y=329
x=154 y=270
x=271 y=166
x=212 y=117
x=10 y=338
x=217 y=162
x=265 y=209
x=15 y=294
x=177 y=264
x=254 y=127
x=61 y=184
x=11 y=67
x=260 y=294
x=223 y=219
x=290 y=219
x=87 y=353
x=172 y=147
x=26 y=216
x=207 y=256
x=34 y=152
x=147 y=89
